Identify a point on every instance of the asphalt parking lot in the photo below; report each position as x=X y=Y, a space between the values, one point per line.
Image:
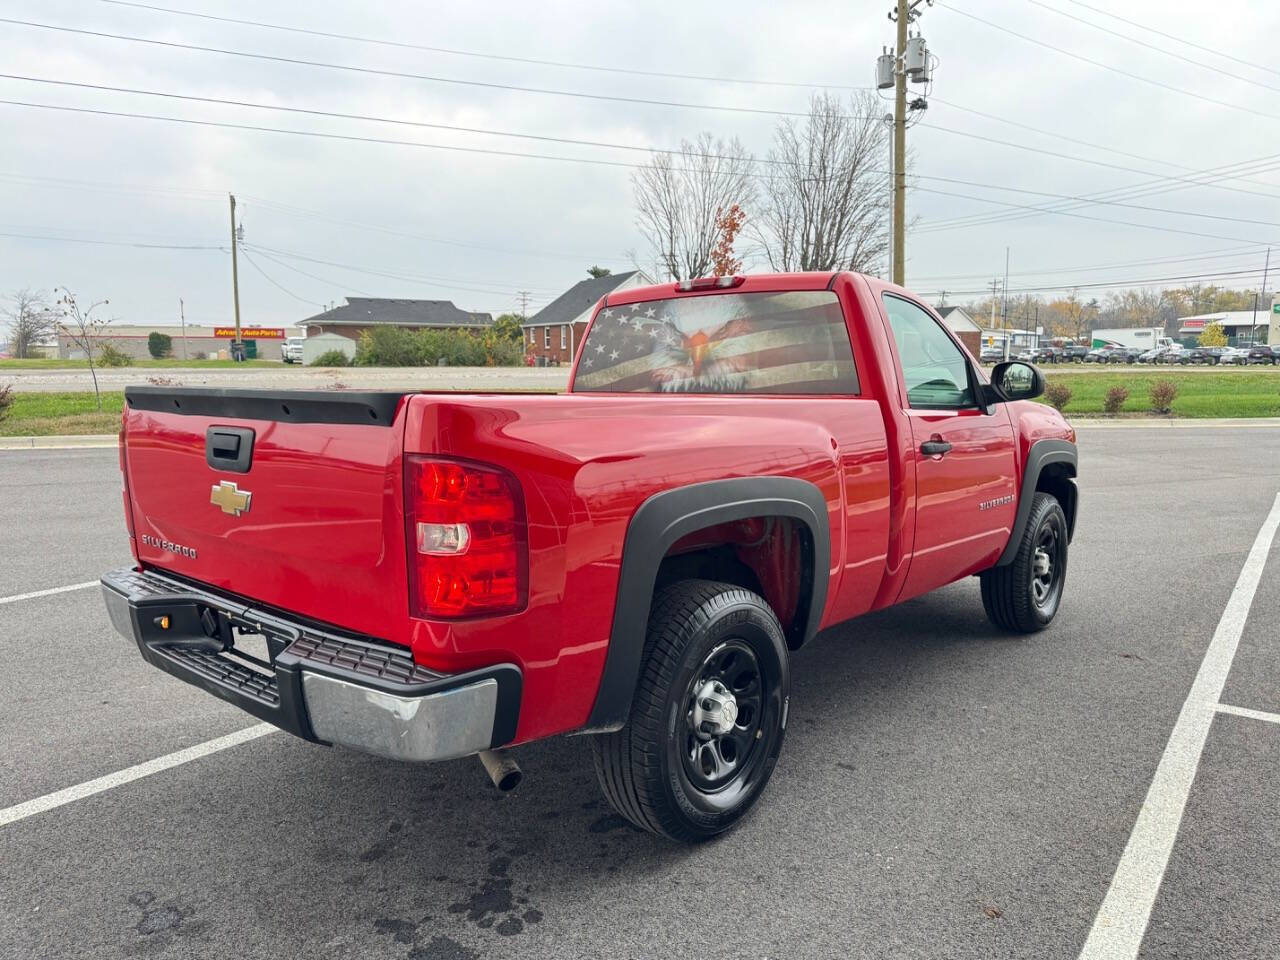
x=945 y=791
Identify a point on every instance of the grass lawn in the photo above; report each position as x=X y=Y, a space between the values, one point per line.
x=1233 y=393
x=60 y=414
x=54 y=363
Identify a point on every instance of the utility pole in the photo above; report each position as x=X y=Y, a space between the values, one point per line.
x=1004 y=304
x=909 y=61
x=523 y=297
x=995 y=292
x=235 y=280
x=182 y=313
x=900 y=152
x=1253 y=327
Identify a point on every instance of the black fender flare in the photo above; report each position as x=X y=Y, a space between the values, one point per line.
x=662 y=520
x=1041 y=454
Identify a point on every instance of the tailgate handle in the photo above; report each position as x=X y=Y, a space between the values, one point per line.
x=229 y=448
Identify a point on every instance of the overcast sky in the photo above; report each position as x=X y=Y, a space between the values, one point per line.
x=477 y=228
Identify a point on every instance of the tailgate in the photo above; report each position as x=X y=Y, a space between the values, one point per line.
x=292 y=499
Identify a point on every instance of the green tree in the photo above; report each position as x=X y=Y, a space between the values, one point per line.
x=598 y=272
x=507 y=326
x=159 y=344
x=1213 y=336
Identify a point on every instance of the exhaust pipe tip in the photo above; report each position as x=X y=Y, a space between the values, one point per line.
x=502 y=769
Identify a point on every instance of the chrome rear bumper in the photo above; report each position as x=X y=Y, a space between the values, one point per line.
x=317 y=682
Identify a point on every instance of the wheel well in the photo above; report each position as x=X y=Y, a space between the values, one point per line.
x=1058 y=479
x=771 y=556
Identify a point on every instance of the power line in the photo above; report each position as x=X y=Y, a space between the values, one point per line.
x=607 y=69
x=346 y=287
x=416 y=278
x=733 y=109
x=301 y=212
x=1214 y=68
x=276 y=283
x=1114 y=196
x=399 y=74
x=1109 y=284
x=476 y=150
x=113 y=243
x=565 y=140
x=1227 y=253
x=1106 y=66
x=405 y=45
x=1169 y=36
x=1076 y=140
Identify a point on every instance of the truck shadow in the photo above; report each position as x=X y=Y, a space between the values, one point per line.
x=436 y=848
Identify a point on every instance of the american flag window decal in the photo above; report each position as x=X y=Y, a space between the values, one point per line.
x=791 y=342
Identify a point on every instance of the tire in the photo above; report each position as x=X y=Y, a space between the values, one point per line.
x=659 y=771
x=1018 y=597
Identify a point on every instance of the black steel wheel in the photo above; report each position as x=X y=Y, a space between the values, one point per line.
x=1025 y=595
x=707 y=721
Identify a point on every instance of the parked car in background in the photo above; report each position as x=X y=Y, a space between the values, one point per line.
x=1047 y=354
x=1074 y=353
x=1261 y=353
x=991 y=354
x=1234 y=355
x=1170 y=354
x=1151 y=356
x=1126 y=354
x=291 y=349
x=1200 y=355
x=1099 y=355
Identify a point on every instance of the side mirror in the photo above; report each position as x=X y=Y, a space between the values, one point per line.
x=1015 y=380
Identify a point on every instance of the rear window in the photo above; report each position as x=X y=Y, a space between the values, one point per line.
x=791 y=342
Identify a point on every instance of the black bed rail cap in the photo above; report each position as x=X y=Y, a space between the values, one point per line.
x=369 y=408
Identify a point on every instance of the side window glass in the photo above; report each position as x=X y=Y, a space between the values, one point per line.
x=934 y=368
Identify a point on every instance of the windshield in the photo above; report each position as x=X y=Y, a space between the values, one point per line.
x=791 y=342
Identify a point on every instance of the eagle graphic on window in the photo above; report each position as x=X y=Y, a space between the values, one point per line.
x=792 y=342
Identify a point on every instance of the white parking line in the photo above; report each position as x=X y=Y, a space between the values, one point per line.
x=48 y=593
x=1121 y=922
x=71 y=794
x=1251 y=714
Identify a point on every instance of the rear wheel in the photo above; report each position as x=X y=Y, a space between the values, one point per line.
x=1024 y=595
x=707 y=721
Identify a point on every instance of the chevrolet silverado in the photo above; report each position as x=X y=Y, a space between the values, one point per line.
x=738 y=464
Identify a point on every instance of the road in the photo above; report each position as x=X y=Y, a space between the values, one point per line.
x=945 y=791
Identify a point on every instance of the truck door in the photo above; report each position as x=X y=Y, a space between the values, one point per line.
x=966 y=490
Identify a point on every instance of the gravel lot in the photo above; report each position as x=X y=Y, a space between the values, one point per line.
x=945 y=791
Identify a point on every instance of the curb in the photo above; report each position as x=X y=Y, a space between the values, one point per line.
x=1168 y=423
x=72 y=442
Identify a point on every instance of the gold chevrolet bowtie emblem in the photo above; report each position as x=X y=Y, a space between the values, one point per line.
x=231 y=500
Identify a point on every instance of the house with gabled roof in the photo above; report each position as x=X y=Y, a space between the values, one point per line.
x=555 y=331
x=359 y=314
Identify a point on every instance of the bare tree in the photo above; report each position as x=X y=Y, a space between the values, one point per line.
x=84 y=328
x=31 y=322
x=680 y=196
x=826 y=193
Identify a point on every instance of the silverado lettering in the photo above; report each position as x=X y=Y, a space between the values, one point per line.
x=738 y=464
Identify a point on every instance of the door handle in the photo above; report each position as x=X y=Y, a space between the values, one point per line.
x=935 y=448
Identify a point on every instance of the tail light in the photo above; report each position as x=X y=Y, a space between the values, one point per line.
x=467 y=539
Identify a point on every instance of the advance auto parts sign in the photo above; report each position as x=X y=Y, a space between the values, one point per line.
x=250 y=333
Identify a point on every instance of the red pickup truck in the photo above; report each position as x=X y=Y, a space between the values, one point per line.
x=738 y=464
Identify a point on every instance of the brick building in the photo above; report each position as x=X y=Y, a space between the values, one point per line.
x=963 y=326
x=359 y=314
x=556 y=330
